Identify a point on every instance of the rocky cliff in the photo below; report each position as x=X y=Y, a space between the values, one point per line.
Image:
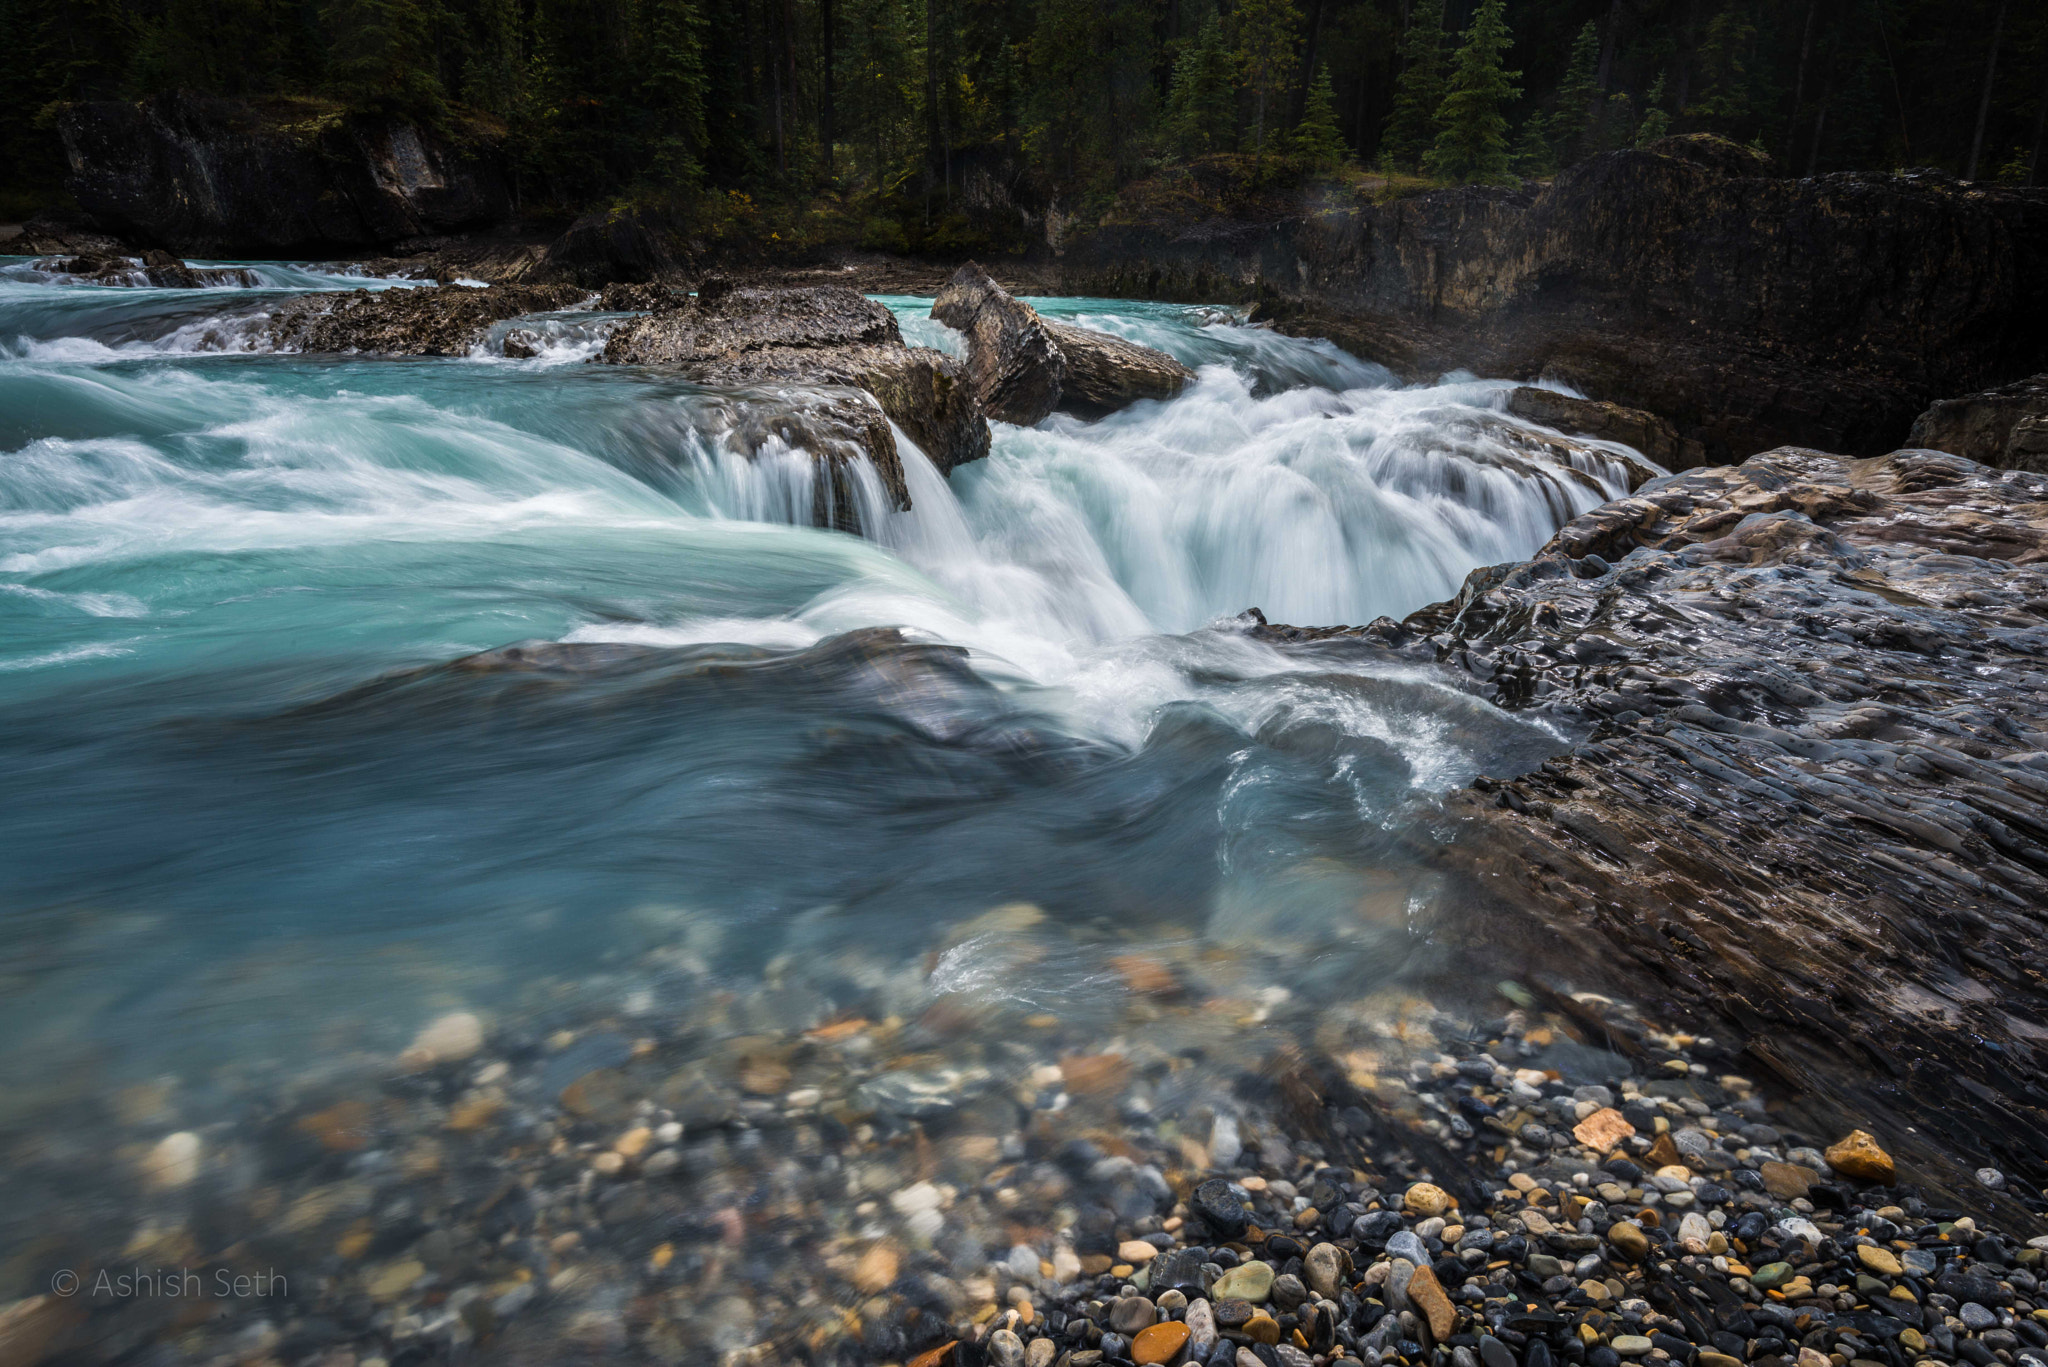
x=1750 y=310
x=210 y=177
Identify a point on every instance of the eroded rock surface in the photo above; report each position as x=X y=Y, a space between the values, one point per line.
x=1811 y=802
x=1646 y=432
x=817 y=336
x=1024 y=366
x=446 y=321
x=1750 y=309
x=2006 y=427
x=156 y=269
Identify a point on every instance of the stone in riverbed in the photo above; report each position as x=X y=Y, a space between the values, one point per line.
x=1252 y=1281
x=1201 y=1325
x=448 y=1039
x=445 y=321
x=1629 y=1240
x=1880 y=1260
x=1132 y=1313
x=1106 y=373
x=1005 y=1349
x=1428 y=1295
x=174 y=1162
x=1221 y=1205
x=1136 y=1252
x=1604 y=1130
x=1158 y=1344
x=1858 y=1155
x=1787 y=1181
x=1323 y=1269
x=1427 y=1199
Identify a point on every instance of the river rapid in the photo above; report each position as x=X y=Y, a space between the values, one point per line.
x=257 y=826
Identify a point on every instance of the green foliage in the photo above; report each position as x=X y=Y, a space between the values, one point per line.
x=1472 y=144
x=1578 y=99
x=1265 y=32
x=1317 y=141
x=1656 y=119
x=1724 y=102
x=379 y=57
x=672 y=89
x=1203 y=102
x=1411 y=128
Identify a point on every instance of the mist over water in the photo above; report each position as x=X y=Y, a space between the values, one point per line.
x=254 y=818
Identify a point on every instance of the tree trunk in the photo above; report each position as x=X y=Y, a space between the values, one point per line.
x=1984 y=101
x=1799 y=80
x=825 y=130
x=1308 y=58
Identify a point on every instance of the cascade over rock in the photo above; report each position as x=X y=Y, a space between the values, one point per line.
x=825 y=335
x=1749 y=310
x=204 y=176
x=1646 y=432
x=1808 y=802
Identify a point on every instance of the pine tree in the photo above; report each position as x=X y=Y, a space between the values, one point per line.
x=1656 y=120
x=1265 y=47
x=1473 y=143
x=673 y=89
x=1724 y=103
x=494 y=76
x=1317 y=140
x=1420 y=90
x=1533 y=155
x=1577 y=99
x=381 y=58
x=1203 y=101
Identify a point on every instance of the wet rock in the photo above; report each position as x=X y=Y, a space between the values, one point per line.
x=174 y=1162
x=1221 y=1205
x=445 y=321
x=1016 y=367
x=819 y=336
x=1810 y=743
x=1132 y=1313
x=1603 y=1130
x=2006 y=427
x=1158 y=1344
x=1252 y=1283
x=1646 y=432
x=1426 y=1199
x=1324 y=1268
x=1858 y=1155
x=1428 y=1296
x=1105 y=373
x=1024 y=367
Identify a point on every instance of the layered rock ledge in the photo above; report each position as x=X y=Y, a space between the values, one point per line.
x=1751 y=310
x=1809 y=805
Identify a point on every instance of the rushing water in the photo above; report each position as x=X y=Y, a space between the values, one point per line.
x=247 y=823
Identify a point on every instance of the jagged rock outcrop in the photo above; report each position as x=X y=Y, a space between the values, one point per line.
x=1646 y=432
x=153 y=268
x=1810 y=804
x=1749 y=310
x=203 y=176
x=2006 y=427
x=804 y=339
x=1025 y=366
x=443 y=321
x=1017 y=368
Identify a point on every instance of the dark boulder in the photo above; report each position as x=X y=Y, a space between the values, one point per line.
x=1747 y=309
x=1646 y=432
x=1025 y=367
x=641 y=298
x=627 y=246
x=204 y=176
x=158 y=269
x=2006 y=427
x=443 y=321
x=726 y=322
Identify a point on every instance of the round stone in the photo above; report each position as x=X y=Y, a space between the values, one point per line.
x=1158 y=1344
x=1426 y=1199
x=1221 y=1206
x=1252 y=1282
x=1630 y=1345
x=1131 y=1314
x=1629 y=1240
x=1879 y=1260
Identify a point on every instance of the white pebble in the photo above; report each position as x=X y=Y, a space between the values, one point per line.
x=174 y=1162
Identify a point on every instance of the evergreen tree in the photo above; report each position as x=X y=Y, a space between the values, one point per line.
x=1578 y=98
x=1473 y=142
x=1316 y=138
x=673 y=89
x=380 y=57
x=1724 y=105
x=1533 y=156
x=1411 y=127
x=494 y=72
x=1656 y=121
x=1203 y=100
x=1265 y=46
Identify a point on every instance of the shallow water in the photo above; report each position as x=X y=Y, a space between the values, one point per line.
x=254 y=828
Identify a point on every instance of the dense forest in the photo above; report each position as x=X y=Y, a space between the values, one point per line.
x=905 y=107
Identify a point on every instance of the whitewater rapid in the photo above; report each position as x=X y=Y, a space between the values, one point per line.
x=214 y=559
